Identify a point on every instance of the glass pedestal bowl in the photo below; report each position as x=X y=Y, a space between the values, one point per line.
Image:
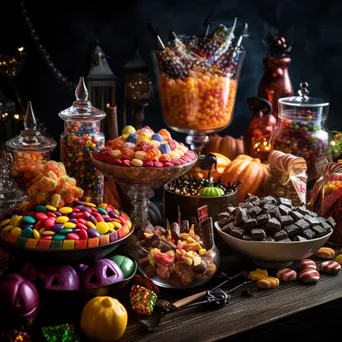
x=201 y=103
x=139 y=182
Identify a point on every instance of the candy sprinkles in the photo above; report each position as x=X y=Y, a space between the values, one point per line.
x=81 y=225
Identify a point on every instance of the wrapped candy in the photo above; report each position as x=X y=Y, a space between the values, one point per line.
x=60 y=333
x=147 y=283
x=142 y=300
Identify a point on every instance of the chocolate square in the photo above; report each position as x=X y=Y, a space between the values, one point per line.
x=298 y=238
x=303 y=210
x=270 y=199
x=331 y=221
x=312 y=220
x=302 y=225
x=251 y=222
x=291 y=230
x=241 y=215
x=296 y=215
x=309 y=234
x=325 y=226
x=251 y=198
x=285 y=240
x=286 y=220
x=223 y=221
x=275 y=212
x=267 y=207
x=223 y=214
x=321 y=219
x=245 y=205
x=228 y=228
x=319 y=230
x=257 y=202
x=231 y=210
x=254 y=211
x=313 y=214
x=285 y=201
x=258 y=234
x=273 y=225
x=263 y=219
x=284 y=210
x=268 y=238
x=280 y=235
x=237 y=232
x=246 y=237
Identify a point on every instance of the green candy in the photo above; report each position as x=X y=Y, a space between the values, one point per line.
x=28 y=220
x=102 y=211
x=58 y=237
x=27 y=232
x=126 y=265
x=41 y=209
x=65 y=231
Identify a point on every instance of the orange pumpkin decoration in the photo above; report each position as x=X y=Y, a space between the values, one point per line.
x=252 y=174
x=215 y=174
x=228 y=146
x=111 y=194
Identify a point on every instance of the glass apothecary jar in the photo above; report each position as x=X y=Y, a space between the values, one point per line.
x=301 y=128
x=30 y=151
x=82 y=135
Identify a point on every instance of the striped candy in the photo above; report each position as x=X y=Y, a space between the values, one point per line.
x=307 y=263
x=325 y=253
x=330 y=267
x=268 y=283
x=309 y=275
x=286 y=274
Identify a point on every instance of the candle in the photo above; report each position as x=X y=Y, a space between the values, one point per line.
x=112 y=122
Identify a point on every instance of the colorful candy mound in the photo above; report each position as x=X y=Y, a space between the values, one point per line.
x=54 y=187
x=200 y=101
x=145 y=148
x=77 y=226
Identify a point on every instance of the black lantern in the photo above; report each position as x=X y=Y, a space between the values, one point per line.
x=138 y=89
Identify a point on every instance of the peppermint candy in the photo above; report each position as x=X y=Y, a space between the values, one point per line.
x=286 y=274
x=309 y=275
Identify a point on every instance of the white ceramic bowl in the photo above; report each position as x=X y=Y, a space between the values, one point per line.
x=273 y=254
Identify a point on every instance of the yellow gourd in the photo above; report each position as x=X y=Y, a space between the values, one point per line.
x=104 y=319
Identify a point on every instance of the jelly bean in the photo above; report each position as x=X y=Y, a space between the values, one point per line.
x=65 y=210
x=81 y=226
x=18 y=221
x=48 y=233
x=99 y=218
x=41 y=216
x=83 y=235
x=89 y=204
x=91 y=225
x=81 y=220
x=62 y=219
x=57 y=213
x=117 y=225
x=93 y=232
x=86 y=215
x=73 y=220
x=76 y=210
x=65 y=231
x=50 y=207
x=69 y=225
x=27 y=232
x=102 y=227
x=48 y=223
x=113 y=214
x=36 y=234
x=57 y=227
x=102 y=211
x=16 y=231
x=28 y=219
x=59 y=237
x=5 y=222
x=41 y=209
x=50 y=214
x=107 y=219
x=72 y=236
x=102 y=206
x=8 y=228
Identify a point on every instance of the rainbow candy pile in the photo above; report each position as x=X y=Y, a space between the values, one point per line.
x=77 y=226
x=146 y=148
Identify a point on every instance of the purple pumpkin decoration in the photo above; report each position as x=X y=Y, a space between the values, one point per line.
x=30 y=271
x=19 y=300
x=80 y=269
x=59 y=278
x=103 y=272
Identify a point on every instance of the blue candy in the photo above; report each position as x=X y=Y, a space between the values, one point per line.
x=165 y=148
x=158 y=137
x=132 y=138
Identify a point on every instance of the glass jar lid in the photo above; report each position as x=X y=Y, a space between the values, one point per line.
x=82 y=109
x=303 y=100
x=30 y=139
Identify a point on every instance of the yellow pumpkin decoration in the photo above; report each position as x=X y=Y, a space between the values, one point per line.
x=104 y=319
x=252 y=174
x=215 y=174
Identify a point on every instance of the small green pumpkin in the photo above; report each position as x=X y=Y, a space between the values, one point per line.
x=211 y=191
x=126 y=265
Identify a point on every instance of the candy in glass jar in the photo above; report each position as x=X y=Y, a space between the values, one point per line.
x=80 y=138
x=301 y=128
x=30 y=151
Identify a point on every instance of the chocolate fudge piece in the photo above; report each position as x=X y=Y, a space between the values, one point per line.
x=303 y=210
x=246 y=237
x=237 y=232
x=251 y=222
x=285 y=201
x=267 y=207
x=223 y=221
x=270 y=199
x=302 y=225
x=309 y=234
x=251 y=198
x=298 y=238
x=258 y=234
x=228 y=228
x=256 y=202
x=331 y=221
x=312 y=220
x=280 y=235
x=284 y=210
x=241 y=215
x=286 y=220
x=275 y=212
x=263 y=219
x=296 y=215
x=245 y=205
x=313 y=214
x=231 y=210
x=325 y=226
x=321 y=219
x=254 y=211
x=291 y=230
x=223 y=214
x=273 y=225
x=319 y=230
x=285 y=240
x=268 y=238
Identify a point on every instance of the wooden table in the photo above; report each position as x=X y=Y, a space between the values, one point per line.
x=292 y=311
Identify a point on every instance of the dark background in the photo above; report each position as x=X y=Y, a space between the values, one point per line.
x=67 y=30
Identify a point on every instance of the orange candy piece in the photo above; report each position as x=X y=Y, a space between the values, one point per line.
x=165 y=134
x=153 y=154
x=127 y=153
x=117 y=144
